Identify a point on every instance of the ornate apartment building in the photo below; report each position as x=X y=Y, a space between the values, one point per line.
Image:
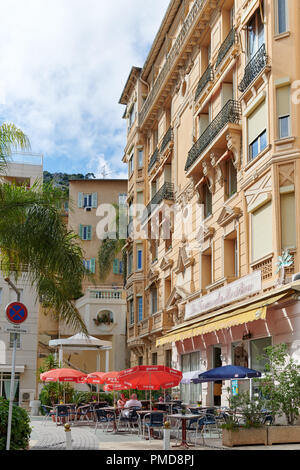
x=214 y=131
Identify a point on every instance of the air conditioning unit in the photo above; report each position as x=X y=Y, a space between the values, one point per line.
x=27 y=395
x=87 y=209
x=296 y=277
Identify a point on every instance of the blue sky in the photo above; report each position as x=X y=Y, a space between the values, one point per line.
x=63 y=65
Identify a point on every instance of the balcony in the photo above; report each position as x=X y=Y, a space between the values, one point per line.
x=207 y=77
x=230 y=114
x=144 y=327
x=166 y=192
x=105 y=294
x=168 y=138
x=226 y=46
x=265 y=266
x=153 y=160
x=175 y=52
x=254 y=67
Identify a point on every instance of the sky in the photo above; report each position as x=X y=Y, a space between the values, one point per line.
x=64 y=64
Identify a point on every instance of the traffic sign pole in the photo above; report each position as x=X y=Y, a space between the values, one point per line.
x=12 y=381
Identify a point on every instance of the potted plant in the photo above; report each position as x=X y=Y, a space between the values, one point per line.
x=281 y=386
x=20 y=427
x=244 y=425
x=104 y=318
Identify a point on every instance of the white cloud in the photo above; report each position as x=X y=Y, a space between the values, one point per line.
x=63 y=66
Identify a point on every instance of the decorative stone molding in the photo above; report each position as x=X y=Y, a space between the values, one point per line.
x=209 y=175
x=219 y=168
x=184 y=260
x=234 y=142
x=186 y=196
x=286 y=175
x=166 y=263
x=228 y=214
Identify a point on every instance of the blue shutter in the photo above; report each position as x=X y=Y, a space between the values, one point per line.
x=121 y=267
x=95 y=200
x=140 y=308
x=81 y=231
x=80 y=200
x=140 y=259
x=93 y=265
x=89 y=232
x=116 y=266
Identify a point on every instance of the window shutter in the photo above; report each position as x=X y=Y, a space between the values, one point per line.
x=81 y=231
x=95 y=200
x=283 y=101
x=288 y=220
x=121 y=267
x=116 y=266
x=262 y=233
x=80 y=200
x=257 y=122
x=89 y=232
x=93 y=265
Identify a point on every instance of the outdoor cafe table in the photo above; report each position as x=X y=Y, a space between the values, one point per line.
x=184 y=419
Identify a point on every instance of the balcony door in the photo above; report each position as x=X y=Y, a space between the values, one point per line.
x=255 y=34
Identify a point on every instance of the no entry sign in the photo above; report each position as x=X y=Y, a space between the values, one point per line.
x=16 y=313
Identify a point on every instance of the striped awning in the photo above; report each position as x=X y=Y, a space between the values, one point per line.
x=255 y=311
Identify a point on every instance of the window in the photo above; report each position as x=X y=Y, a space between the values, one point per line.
x=168 y=358
x=140 y=309
x=153 y=293
x=140 y=158
x=141 y=360
x=231 y=179
x=281 y=16
x=207 y=200
x=231 y=255
x=154 y=359
x=5 y=380
x=257 y=132
x=250 y=353
x=121 y=268
x=262 y=234
x=131 y=312
x=283 y=112
x=131 y=116
x=206 y=268
x=255 y=34
x=90 y=265
x=190 y=393
x=122 y=199
x=87 y=200
x=130 y=165
x=85 y=232
x=116 y=266
x=139 y=259
x=11 y=340
x=130 y=259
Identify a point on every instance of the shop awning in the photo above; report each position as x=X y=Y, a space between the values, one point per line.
x=215 y=322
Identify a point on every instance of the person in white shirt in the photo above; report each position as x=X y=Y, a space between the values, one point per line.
x=133 y=402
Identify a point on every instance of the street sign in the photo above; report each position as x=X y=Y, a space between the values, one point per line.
x=16 y=313
x=12 y=329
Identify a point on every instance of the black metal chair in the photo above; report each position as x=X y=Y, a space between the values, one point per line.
x=156 y=421
x=62 y=414
x=48 y=413
x=104 y=417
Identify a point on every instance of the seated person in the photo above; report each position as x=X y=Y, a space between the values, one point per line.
x=168 y=397
x=122 y=401
x=133 y=402
x=161 y=399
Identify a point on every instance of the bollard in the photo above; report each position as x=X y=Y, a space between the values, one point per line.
x=167 y=438
x=68 y=436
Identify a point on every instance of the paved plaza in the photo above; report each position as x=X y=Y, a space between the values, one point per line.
x=51 y=437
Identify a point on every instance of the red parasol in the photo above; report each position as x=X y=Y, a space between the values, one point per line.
x=63 y=375
x=150 y=377
x=95 y=378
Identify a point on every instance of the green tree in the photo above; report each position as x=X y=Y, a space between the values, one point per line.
x=20 y=426
x=33 y=237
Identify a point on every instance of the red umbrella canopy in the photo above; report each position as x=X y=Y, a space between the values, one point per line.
x=63 y=375
x=95 y=378
x=111 y=377
x=115 y=387
x=150 y=377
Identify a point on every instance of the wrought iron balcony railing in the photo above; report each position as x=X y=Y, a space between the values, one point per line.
x=172 y=56
x=153 y=160
x=226 y=46
x=208 y=76
x=165 y=193
x=167 y=139
x=230 y=113
x=254 y=67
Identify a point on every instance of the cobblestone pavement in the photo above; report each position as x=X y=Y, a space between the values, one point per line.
x=51 y=437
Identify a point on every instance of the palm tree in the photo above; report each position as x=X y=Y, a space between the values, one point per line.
x=34 y=238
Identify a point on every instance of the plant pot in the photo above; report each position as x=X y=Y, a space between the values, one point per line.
x=244 y=437
x=283 y=435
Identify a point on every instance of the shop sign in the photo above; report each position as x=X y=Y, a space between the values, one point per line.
x=243 y=287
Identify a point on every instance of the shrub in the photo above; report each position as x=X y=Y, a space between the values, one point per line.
x=20 y=426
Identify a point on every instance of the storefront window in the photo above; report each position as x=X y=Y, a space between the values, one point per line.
x=257 y=350
x=5 y=386
x=240 y=354
x=190 y=393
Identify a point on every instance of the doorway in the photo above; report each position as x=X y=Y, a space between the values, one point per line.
x=217 y=386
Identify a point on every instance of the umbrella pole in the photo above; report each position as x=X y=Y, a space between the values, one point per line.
x=150 y=400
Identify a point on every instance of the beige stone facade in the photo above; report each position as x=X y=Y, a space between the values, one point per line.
x=85 y=200
x=214 y=125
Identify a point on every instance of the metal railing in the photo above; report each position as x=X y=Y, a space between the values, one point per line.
x=230 y=113
x=166 y=192
x=254 y=67
x=208 y=76
x=153 y=160
x=106 y=294
x=172 y=56
x=226 y=46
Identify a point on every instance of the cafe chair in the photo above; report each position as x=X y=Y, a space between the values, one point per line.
x=62 y=414
x=48 y=413
x=103 y=418
x=83 y=413
x=156 y=421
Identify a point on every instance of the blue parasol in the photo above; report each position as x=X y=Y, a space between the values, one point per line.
x=226 y=373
